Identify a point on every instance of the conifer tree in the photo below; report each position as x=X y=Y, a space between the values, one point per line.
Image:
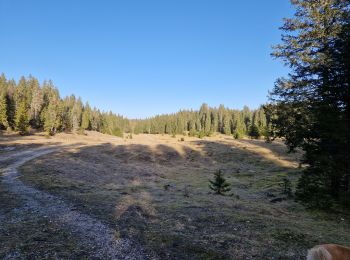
x=260 y=121
x=3 y=112
x=256 y=125
x=254 y=131
x=219 y=184
x=21 y=118
x=36 y=103
x=198 y=125
x=226 y=124
x=204 y=115
x=311 y=108
x=247 y=118
x=86 y=117
x=214 y=121
x=11 y=103
x=95 y=120
x=238 y=125
x=221 y=112
x=52 y=113
x=77 y=114
x=67 y=107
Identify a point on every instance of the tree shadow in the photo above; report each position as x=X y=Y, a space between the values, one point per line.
x=247 y=155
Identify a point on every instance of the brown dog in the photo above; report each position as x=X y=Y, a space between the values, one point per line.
x=329 y=252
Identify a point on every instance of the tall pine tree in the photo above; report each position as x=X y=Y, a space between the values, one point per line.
x=86 y=117
x=21 y=118
x=3 y=112
x=311 y=106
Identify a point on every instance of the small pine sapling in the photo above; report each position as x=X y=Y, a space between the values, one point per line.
x=219 y=184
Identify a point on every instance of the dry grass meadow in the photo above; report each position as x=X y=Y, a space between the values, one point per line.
x=154 y=189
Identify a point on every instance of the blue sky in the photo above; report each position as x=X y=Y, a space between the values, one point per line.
x=140 y=58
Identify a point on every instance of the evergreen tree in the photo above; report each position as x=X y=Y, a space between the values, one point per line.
x=95 y=120
x=259 y=119
x=191 y=126
x=7 y=106
x=214 y=121
x=257 y=126
x=254 y=131
x=77 y=112
x=36 y=102
x=21 y=118
x=226 y=124
x=247 y=118
x=311 y=108
x=52 y=113
x=219 y=184
x=221 y=113
x=11 y=103
x=67 y=108
x=3 y=112
x=205 y=121
x=86 y=117
x=198 y=125
x=238 y=125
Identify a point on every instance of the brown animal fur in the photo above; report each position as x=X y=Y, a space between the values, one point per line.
x=329 y=252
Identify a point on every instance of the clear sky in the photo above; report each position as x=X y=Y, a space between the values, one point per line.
x=145 y=57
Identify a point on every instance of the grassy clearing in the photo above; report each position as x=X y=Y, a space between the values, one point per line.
x=155 y=189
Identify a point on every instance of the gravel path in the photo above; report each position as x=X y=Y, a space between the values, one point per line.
x=91 y=232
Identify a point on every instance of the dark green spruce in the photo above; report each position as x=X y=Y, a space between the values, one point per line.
x=219 y=184
x=311 y=107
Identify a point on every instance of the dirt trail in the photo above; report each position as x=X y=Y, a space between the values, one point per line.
x=91 y=232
